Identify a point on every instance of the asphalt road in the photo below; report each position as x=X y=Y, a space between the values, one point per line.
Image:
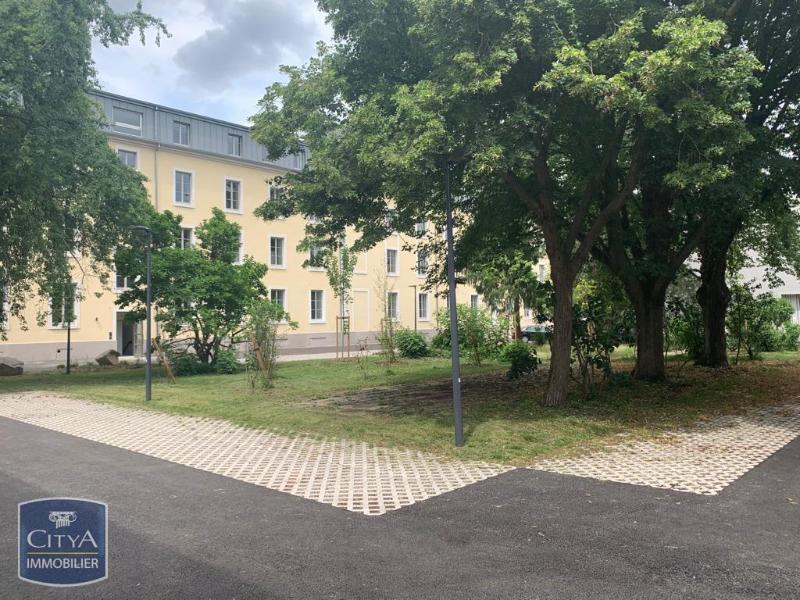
x=180 y=533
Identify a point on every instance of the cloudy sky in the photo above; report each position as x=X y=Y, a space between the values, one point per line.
x=221 y=56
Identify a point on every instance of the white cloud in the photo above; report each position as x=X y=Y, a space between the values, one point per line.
x=221 y=56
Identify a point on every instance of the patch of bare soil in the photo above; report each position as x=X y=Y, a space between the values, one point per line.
x=425 y=395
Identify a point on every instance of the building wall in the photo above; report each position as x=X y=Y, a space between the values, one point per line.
x=97 y=329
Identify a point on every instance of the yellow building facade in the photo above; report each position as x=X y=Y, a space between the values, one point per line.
x=193 y=164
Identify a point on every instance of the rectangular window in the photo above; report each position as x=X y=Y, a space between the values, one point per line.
x=542 y=272
x=121 y=282
x=315 y=256
x=127 y=121
x=391 y=261
x=233 y=199
x=422 y=307
x=278 y=296
x=317 y=313
x=240 y=257
x=473 y=301
x=528 y=313
x=391 y=305
x=420 y=228
x=187 y=237
x=422 y=262
x=180 y=133
x=128 y=158
x=277 y=255
x=234 y=144
x=183 y=187
x=64 y=309
x=275 y=192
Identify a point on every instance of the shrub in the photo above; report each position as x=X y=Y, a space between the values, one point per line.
x=186 y=363
x=756 y=323
x=522 y=357
x=261 y=331
x=683 y=327
x=790 y=338
x=411 y=344
x=227 y=363
x=479 y=335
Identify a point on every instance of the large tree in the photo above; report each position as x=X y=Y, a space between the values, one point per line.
x=64 y=195
x=201 y=294
x=544 y=105
x=760 y=200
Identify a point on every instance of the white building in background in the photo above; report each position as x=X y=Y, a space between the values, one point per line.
x=790 y=290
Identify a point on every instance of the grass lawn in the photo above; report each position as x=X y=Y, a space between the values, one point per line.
x=409 y=404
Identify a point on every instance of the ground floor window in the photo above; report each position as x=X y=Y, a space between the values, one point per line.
x=392 y=311
x=278 y=296
x=422 y=306
x=317 y=301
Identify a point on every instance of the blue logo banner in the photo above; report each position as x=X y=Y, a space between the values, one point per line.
x=63 y=541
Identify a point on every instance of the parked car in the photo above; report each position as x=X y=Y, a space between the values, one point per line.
x=536 y=334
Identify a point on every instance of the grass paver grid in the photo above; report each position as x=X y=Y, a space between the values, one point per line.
x=370 y=480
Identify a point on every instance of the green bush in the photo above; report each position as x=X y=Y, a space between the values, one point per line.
x=790 y=338
x=227 y=363
x=411 y=344
x=186 y=363
x=479 y=335
x=522 y=357
x=757 y=322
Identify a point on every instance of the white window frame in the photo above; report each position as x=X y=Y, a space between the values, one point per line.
x=130 y=151
x=421 y=228
x=421 y=274
x=181 y=124
x=311 y=318
x=76 y=323
x=125 y=282
x=240 y=137
x=396 y=316
x=542 y=272
x=477 y=304
x=242 y=253
x=427 y=315
x=283 y=264
x=236 y=211
x=312 y=267
x=191 y=228
x=137 y=131
x=396 y=271
x=285 y=296
x=192 y=184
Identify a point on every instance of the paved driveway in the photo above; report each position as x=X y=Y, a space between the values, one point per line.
x=177 y=532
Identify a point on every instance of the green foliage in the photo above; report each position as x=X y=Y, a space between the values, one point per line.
x=790 y=338
x=565 y=111
x=197 y=292
x=522 y=357
x=64 y=194
x=757 y=322
x=227 y=362
x=261 y=334
x=683 y=327
x=411 y=344
x=479 y=335
x=186 y=363
x=598 y=330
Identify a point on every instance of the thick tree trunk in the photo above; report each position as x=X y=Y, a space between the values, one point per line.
x=650 y=365
x=560 y=346
x=714 y=297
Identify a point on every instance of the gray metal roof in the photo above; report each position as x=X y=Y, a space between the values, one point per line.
x=207 y=135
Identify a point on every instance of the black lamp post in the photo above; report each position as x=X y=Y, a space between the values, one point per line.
x=451 y=294
x=148 y=347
